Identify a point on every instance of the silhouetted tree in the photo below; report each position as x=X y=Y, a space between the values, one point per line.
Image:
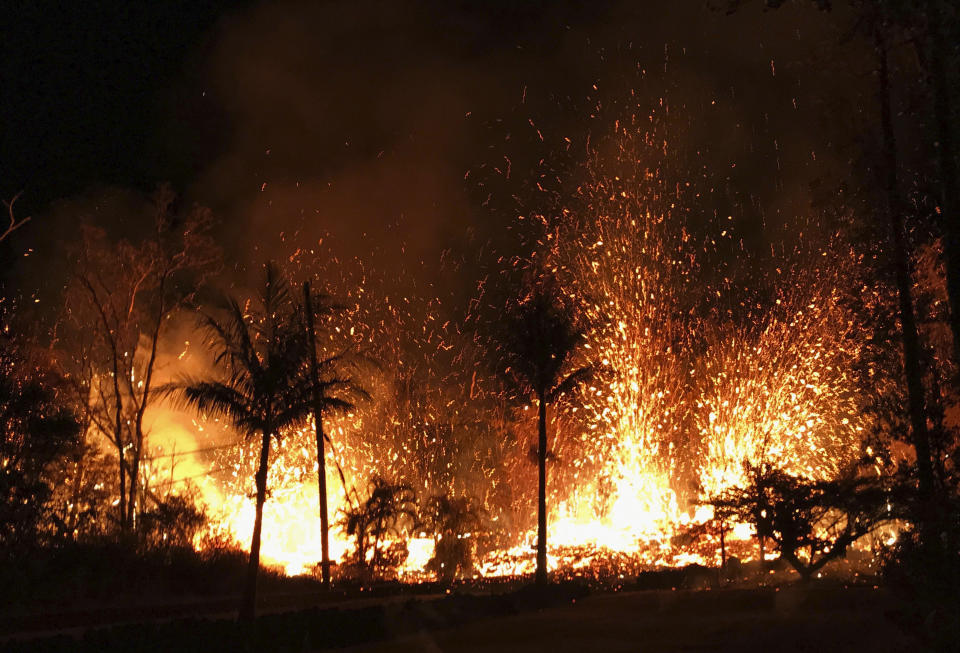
x=84 y=489
x=332 y=391
x=926 y=24
x=542 y=334
x=809 y=522
x=264 y=386
x=940 y=20
x=908 y=323
x=36 y=428
x=390 y=510
x=453 y=522
x=172 y=522
x=120 y=302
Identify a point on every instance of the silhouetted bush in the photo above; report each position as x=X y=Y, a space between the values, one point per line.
x=927 y=575
x=172 y=522
x=454 y=523
x=113 y=570
x=809 y=522
x=379 y=525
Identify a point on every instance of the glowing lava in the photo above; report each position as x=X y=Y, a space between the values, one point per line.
x=693 y=381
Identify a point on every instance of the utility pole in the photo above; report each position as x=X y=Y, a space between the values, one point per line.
x=318 y=429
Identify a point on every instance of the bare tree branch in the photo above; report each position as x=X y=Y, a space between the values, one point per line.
x=14 y=223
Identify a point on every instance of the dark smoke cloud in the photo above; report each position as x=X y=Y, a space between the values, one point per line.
x=360 y=120
x=357 y=122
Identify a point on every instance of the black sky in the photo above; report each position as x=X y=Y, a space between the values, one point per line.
x=83 y=90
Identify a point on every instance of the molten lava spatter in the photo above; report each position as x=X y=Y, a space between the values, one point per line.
x=691 y=382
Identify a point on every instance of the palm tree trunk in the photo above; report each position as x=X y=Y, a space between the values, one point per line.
x=541 y=577
x=318 y=430
x=249 y=602
x=908 y=324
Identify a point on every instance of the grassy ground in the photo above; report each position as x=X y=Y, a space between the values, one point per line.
x=819 y=619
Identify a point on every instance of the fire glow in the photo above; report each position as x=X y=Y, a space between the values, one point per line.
x=686 y=391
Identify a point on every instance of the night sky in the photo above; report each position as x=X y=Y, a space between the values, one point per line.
x=678 y=232
x=371 y=123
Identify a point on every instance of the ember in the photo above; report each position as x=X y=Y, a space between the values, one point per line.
x=447 y=297
x=694 y=382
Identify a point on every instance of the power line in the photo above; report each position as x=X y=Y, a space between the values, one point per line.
x=193 y=451
x=210 y=472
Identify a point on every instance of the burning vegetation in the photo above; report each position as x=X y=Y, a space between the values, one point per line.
x=672 y=387
x=637 y=388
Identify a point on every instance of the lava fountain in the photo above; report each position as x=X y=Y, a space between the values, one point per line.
x=689 y=392
x=695 y=377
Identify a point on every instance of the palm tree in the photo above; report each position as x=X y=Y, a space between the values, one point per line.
x=263 y=389
x=331 y=392
x=542 y=336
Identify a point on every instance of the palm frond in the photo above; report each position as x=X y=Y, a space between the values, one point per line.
x=222 y=400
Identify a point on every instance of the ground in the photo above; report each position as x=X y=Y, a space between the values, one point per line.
x=820 y=617
x=790 y=619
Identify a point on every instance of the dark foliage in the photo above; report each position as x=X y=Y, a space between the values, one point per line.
x=809 y=522
x=35 y=429
x=541 y=334
x=453 y=522
x=173 y=522
x=926 y=572
x=120 y=574
x=390 y=511
x=84 y=485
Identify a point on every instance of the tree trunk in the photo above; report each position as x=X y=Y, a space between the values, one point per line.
x=375 y=561
x=118 y=433
x=911 y=340
x=74 y=515
x=123 y=488
x=318 y=431
x=950 y=194
x=249 y=603
x=108 y=334
x=133 y=488
x=723 y=544
x=541 y=577
x=144 y=401
x=362 y=549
